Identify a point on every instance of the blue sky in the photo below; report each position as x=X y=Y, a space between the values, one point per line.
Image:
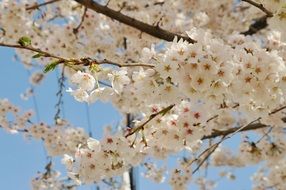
x=21 y=158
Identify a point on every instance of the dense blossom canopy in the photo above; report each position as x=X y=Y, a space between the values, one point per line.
x=188 y=71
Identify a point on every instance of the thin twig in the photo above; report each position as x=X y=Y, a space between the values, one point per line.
x=35 y=103
x=211 y=149
x=151 y=117
x=214 y=117
x=201 y=154
x=277 y=110
x=38 y=5
x=89 y=126
x=44 y=54
x=132 y=172
x=260 y=6
x=265 y=134
x=208 y=161
x=104 y=83
x=61 y=83
x=75 y=30
x=105 y=61
x=249 y=127
x=242 y=127
x=82 y=61
x=139 y=25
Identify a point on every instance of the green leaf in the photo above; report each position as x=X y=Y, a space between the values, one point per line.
x=38 y=55
x=51 y=66
x=166 y=110
x=94 y=68
x=25 y=41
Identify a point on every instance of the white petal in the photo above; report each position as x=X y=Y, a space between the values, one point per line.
x=93 y=144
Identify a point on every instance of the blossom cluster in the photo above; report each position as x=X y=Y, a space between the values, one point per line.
x=154 y=173
x=210 y=78
x=59 y=139
x=100 y=160
x=278 y=9
x=11 y=119
x=222 y=81
x=50 y=180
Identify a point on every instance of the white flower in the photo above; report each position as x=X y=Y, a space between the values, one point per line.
x=103 y=94
x=147 y=53
x=67 y=161
x=201 y=19
x=166 y=69
x=118 y=80
x=85 y=81
x=79 y=94
x=278 y=21
x=36 y=78
x=93 y=144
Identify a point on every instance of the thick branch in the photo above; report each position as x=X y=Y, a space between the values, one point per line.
x=258 y=25
x=116 y=15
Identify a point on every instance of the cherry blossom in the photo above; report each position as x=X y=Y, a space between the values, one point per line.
x=192 y=74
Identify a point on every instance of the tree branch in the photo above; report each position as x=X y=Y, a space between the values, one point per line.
x=38 y=5
x=82 y=61
x=258 y=25
x=260 y=6
x=75 y=30
x=139 y=25
x=249 y=127
x=105 y=61
x=61 y=83
x=151 y=117
x=209 y=151
x=130 y=124
x=45 y=54
x=277 y=110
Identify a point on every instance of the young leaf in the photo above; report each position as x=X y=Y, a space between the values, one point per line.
x=94 y=68
x=166 y=110
x=38 y=55
x=25 y=41
x=51 y=66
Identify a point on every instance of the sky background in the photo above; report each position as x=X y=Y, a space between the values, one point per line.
x=22 y=158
